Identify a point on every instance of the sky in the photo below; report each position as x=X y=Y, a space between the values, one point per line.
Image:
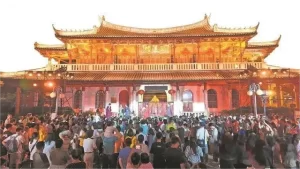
x=24 y=22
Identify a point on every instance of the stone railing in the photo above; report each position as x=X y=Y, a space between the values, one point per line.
x=159 y=67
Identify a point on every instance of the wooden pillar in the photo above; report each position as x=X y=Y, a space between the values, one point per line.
x=137 y=59
x=198 y=53
x=220 y=50
x=174 y=52
x=134 y=101
x=278 y=95
x=107 y=96
x=18 y=101
x=112 y=58
x=205 y=96
x=229 y=96
x=241 y=55
x=129 y=97
x=297 y=96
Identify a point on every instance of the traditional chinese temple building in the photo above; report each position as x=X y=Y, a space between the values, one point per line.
x=191 y=68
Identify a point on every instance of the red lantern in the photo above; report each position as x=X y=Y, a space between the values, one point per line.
x=141 y=92
x=171 y=91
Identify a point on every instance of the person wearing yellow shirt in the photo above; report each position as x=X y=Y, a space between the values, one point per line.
x=171 y=124
x=131 y=135
x=82 y=136
x=42 y=132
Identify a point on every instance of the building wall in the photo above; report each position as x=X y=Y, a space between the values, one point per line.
x=199 y=105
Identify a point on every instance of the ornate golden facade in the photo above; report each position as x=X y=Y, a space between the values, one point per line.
x=195 y=43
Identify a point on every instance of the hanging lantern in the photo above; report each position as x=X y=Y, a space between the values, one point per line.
x=141 y=92
x=171 y=91
x=53 y=94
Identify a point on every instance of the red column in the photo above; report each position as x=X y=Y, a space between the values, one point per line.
x=18 y=101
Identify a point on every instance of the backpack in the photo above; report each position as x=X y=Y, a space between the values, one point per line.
x=3 y=150
x=12 y=145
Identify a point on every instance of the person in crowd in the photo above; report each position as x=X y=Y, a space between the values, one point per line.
x=130 y=134
x=3 y=163
x=141 y=146
x=194 y=153
x=8 y=131
x=75 y=162
x=14 y=145
x=202 y=136
x=109 y=140
x=32 y=144
x=124 y=154
x=174 y=157
x=89 y=146
x=39 y=159
x=158 y=149
x=59 y=157
x=49 y=145
x=119 y=143
x=133 y=161
x=145 y=162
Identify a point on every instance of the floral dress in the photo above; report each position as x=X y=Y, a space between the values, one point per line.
x=192 y=157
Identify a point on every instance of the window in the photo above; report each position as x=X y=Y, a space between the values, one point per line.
x=235 y=98
x=187 y=99
x=78 y=99
x=212 y=99
x=100 y=99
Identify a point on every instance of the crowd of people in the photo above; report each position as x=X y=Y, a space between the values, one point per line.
x=94 y=141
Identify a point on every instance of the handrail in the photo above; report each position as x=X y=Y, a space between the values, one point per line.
x=159 y=67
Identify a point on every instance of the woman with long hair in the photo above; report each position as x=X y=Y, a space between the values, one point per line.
x=131 y=135
x=49 y=145
x=228 y=151
x=194 y=153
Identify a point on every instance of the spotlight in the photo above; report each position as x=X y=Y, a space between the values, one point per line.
x=49 y=84
x=35 y=85
x=58 y=74
x=50 y=73
x=263 y=72
x=30 y=73
x=38 y=74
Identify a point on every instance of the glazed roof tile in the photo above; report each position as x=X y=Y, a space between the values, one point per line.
x=110 y=30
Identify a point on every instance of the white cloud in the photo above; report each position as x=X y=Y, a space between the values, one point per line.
x=24 y=22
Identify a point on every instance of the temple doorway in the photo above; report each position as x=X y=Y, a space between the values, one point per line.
x=124 y=98
x=155 y=102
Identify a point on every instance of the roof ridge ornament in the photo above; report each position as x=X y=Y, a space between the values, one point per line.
x=101 y=19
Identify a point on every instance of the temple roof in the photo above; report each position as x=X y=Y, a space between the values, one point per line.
x=110 y=30
x=38 y=46
x=273 y=43
x=261 y=49
x=155 y=76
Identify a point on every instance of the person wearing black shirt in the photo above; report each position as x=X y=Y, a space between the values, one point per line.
x=175 y=158
x=76 y=163
x=157 y=149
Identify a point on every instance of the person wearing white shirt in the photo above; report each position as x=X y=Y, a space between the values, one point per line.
x=15 y=158
x=8 y=119
x=49 y=145
x=32 y=144
x=202 y=134
x=89 y=145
